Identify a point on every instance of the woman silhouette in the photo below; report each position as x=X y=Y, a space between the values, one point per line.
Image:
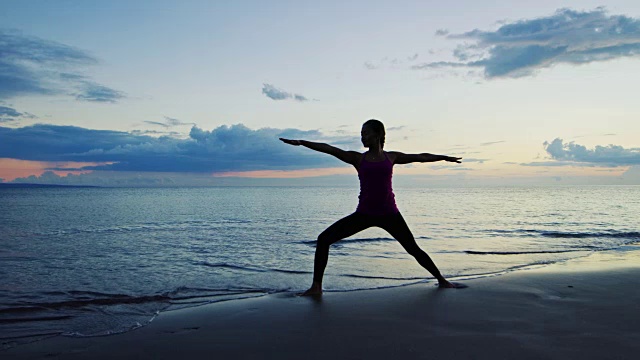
x=376 y=206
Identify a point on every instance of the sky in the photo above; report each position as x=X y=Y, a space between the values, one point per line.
x=197 y=93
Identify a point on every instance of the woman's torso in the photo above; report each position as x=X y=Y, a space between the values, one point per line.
x=376 y=192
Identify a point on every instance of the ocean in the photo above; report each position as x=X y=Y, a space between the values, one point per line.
x=99 y=261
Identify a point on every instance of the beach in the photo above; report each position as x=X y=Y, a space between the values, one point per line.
x=175 y=175
x=584 y=308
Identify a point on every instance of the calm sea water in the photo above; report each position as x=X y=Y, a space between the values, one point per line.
x=96 y=261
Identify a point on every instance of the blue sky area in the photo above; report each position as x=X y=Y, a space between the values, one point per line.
x=171 y=93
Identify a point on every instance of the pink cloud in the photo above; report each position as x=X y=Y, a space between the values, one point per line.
x=10 y=169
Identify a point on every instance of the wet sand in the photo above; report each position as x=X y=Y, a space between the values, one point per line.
x=586 y=308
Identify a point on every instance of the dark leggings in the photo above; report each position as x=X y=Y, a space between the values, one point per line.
x=394 y=224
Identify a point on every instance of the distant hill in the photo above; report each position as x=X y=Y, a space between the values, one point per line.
x=23 y=186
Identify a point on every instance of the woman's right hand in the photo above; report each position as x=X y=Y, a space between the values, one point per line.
x=291 y=142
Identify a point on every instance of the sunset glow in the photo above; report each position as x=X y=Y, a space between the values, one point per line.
x=11 y=169
x=542 y=90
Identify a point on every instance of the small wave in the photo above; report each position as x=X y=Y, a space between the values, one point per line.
x=607 y=234
x=80 y=293
x=350 y=241
x=62 y=314
x=79 y=303
x=10 y=341
x=122 y=330
x=35 y=318
x=382 y=277
x=472 y=252
x=291 y=271
x=184 y=292
x=144 y=227
x=229 y=266
x=570 y=234
x=252 y=269
x=367 y=240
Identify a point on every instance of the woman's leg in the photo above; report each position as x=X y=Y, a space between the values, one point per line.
x=341 y=229
x=398 y=228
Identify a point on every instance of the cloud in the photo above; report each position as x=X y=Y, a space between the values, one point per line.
x=168 y=122
x=33 y=66
x=451 y=168
x=610 y=155
x=492 y=143
x=226 y=148
x=115 y=179
x=175 y=122
x=98 y=93
x=274 y=93
x=521 y=48
x=155 y=132
x=8 y=114
x=556 y=164
x=370 y=66
x=592 y=135
x=339 y=177
x=391 y=62
x=157 y=123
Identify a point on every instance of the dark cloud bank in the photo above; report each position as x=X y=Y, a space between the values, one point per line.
x=522 y=47
x=226 y=148
x=139 y=160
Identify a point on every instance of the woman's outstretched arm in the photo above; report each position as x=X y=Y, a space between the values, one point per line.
x=350 y=157
x=401 y=158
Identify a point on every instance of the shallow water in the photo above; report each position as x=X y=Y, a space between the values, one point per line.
x=94 y=261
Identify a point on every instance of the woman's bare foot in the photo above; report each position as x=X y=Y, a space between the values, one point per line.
x=444 y=284
x=314 y=290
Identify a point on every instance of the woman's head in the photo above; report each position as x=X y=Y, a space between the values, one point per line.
x=372 y=132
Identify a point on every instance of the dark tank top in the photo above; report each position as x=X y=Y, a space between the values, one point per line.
x=376 y=195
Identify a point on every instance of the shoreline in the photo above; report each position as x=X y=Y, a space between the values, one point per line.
x=582 y=308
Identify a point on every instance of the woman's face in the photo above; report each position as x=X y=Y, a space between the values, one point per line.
x=368 y=137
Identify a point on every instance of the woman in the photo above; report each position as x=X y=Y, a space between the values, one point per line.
x=376 y=205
